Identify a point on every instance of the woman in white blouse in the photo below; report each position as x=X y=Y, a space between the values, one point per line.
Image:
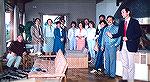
x=91 y=31
x=80 y=36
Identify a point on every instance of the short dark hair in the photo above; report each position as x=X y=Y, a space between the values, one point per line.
x=102 y=16
x=86 y=19
x=103 y=22
x=110 y=17
x=50 y=20
x=37 y=19
x=58 y=22
x=127 y=10
x=73 y=22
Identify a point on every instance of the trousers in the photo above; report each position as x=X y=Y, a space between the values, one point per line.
x=12 y=59
x=127 y=59
x=110 y=60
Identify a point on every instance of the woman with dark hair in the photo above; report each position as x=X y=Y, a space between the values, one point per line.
x=48 y=32
x=59 y=36
x=91 y=31
x=37 y=35
x=71 y=36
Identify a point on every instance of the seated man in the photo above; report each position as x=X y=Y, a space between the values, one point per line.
x=17 y=49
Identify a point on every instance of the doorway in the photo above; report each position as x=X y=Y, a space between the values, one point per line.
x=54 y=18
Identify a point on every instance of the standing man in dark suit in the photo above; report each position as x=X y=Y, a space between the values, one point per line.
x=130 y=32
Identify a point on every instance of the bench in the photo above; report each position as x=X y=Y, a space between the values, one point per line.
x=49 y=69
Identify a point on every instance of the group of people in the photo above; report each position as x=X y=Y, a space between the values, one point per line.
x=127 y=34
x=48 y=38
x=108 y=36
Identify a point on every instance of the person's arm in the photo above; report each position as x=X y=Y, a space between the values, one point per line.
x=34 y=35
x=44 y=33
x=117 y=40
x=118 y=34
x=13 y=48
x=120 y=31
x=69 y=33
x=103 y=40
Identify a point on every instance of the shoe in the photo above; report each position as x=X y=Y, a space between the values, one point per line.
x=93 y=71
x=99 y=69
x=89 y=61
x=111 y=77
x=106 y=75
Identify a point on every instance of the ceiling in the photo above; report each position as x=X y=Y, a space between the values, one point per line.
x=9 y=4
x=13 y=2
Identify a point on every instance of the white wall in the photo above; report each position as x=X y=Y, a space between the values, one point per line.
x=106 y=7
x=73 y=8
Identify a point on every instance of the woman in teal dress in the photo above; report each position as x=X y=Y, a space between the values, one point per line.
x=48 y=32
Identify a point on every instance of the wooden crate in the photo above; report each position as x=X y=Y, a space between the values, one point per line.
x=77 y=59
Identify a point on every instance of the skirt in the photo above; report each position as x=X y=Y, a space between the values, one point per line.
x=48 y=44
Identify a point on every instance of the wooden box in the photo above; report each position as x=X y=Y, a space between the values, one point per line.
x=77 y=59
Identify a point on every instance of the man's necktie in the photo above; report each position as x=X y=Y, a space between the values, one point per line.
x=125 y=28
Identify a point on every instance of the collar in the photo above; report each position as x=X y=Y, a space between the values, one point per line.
x=128 y=19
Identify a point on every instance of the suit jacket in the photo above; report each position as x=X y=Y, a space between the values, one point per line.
x=37 y=35
x=133 y=34
x=58 y=44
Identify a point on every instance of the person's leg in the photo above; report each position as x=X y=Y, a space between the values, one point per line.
x=11 y=59
x=124 y=60
x=39 y=48
x=74 y=43
x=71 y=44
x=17 y=62
x=89 y=47
x=99 y=60
x=131 y=69
x=35 y=48
x=112 y=52
x=92 y=48
x=107 y=60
